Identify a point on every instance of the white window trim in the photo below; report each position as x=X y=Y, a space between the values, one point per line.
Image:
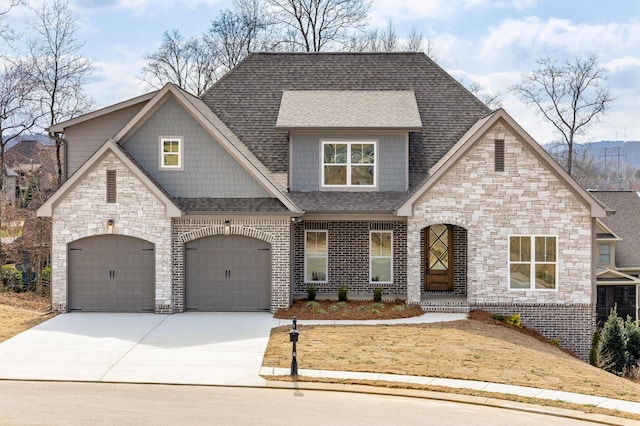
x=348 y=164
x=326 y=260
x=180 y=140
x=532 y=262
x=371 y=257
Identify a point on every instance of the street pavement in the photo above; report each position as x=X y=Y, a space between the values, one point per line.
x=222 y=349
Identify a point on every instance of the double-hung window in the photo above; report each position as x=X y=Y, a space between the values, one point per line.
x=349 y=164
x=533 y=262
x=171 y=148
x=605 y=254
x=381 y=256
x=315 y=256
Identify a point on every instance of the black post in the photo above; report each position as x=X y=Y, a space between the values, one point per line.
x=293 y=337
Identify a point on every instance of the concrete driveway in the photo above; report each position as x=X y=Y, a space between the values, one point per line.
x=186 y=348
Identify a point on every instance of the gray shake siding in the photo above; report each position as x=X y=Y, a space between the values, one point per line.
x=85 y=138
x=208 y=170
x=348 y=262
x=306 y=160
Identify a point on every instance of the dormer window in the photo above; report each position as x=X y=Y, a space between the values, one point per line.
x=349 y=164
x=171 y=148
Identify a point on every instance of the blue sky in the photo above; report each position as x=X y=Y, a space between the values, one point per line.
x=488 y=41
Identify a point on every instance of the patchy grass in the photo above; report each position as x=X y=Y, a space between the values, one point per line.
x=353 y=309
x=21 y=311
x=481 y=349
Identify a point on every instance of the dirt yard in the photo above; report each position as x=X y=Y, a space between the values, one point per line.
x=478 y=349
x=21 y=311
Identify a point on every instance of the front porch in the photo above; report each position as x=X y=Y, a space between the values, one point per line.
x=444 y=303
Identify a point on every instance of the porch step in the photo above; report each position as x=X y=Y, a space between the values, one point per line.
x=452 y=306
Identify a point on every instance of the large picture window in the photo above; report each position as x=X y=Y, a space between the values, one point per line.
x=381 y=256
x=349 y=164
x=532 y=262
x=171 y=148
x=315 y=256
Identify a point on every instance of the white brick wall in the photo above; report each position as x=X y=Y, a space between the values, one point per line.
x=524 y=199
x=84 y=213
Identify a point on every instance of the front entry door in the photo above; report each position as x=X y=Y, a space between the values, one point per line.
x=439 y=258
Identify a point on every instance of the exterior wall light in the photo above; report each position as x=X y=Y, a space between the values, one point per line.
x=227 y=228
x=110 y=226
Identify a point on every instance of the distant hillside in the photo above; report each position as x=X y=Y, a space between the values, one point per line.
x=610 y=165
x=629 y=153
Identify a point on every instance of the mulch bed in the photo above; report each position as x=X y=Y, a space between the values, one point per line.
x=352 y=309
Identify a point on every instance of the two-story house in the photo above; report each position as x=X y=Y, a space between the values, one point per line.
x=328 y=169
x=618 y=255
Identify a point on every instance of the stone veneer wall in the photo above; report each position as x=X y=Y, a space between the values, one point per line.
x=136 y=213
x=571 y=325
x=274 y=231
x=348 y=261
x=525 y=199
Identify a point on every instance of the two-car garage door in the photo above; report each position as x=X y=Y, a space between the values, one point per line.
x=116 y=273
x=227 y=273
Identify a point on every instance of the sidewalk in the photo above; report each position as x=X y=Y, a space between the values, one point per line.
x=576 y=398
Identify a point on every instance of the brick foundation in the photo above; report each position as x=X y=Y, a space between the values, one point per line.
x=572 y=325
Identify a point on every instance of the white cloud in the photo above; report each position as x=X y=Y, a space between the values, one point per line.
x=116 y=80
x=532 y=37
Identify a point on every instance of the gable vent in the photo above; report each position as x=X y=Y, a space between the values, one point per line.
x=499 y=155
x=111 y=186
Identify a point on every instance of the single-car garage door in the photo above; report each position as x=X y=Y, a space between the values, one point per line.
x=227 y=273
x=111 y=273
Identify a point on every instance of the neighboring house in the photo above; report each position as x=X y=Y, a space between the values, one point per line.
x=365 y=170
x=618 y=255
x=9 y=181
x=33 y=165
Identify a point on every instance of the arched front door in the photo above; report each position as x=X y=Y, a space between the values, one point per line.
x=439 y=258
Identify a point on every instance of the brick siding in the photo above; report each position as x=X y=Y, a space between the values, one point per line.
x=348 y=263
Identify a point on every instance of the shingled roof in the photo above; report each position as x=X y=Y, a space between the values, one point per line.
x=625 y=223
x=247 y=99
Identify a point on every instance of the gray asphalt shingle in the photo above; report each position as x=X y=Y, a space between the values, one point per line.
x=248 y=99
x=625 y=223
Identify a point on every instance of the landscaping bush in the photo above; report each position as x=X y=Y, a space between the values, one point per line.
x=311 y=292
x=613 y=353
x=11 y=278
x=377 y=295
x=46 y=274
x=342 y=293
x=593 y=353
x=632 y=329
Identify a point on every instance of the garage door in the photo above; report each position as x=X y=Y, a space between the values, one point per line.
x=227 y=273
x=111 y=273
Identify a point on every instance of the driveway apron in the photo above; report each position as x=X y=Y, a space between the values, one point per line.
x=186 y=348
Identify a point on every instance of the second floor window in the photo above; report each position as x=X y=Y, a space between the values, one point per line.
x=351 y=164
x=171 y=148
x=605 y=254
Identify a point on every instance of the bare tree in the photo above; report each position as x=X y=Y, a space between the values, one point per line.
x=187 y=63
x=570 y=96
x=17 y=112
x=491 y=99
x=6 y=32
x=58 y=68
x=238 y=32
x=414 y=41
x=375 y=40
x=313 y=25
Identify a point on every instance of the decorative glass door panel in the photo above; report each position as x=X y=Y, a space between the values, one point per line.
x=439 y=258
